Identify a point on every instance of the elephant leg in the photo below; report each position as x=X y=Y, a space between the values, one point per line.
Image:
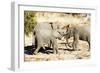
x=55 y=48
x=75 y=41
x=37 y=49
x=50 y=44
x=54 y=51
x=44 y=47
x=66 y=42
x=89 y=46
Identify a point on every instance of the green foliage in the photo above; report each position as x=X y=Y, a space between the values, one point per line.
x=29 y=21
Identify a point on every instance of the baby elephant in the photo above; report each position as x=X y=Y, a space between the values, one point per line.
x=78 y=32
x=45 y=34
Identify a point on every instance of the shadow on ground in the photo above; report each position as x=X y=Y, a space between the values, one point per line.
x=30 y=50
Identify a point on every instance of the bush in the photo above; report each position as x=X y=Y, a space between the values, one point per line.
x=29 y=21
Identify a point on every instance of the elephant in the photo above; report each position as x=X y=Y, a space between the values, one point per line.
x=78 y=33
x=46 y=34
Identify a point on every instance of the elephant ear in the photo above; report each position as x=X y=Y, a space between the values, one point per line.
x=51 y=25
x=65 y=27
x=68 y=26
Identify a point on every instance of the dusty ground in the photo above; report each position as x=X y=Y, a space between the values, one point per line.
x=64 y=54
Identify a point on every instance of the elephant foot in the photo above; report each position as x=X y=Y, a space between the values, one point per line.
x=55 y=52
x=35 y=53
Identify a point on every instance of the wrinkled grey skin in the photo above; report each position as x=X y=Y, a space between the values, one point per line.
x=46 y=34
x=82 y=33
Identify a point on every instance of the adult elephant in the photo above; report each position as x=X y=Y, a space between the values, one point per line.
x=46 y=34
